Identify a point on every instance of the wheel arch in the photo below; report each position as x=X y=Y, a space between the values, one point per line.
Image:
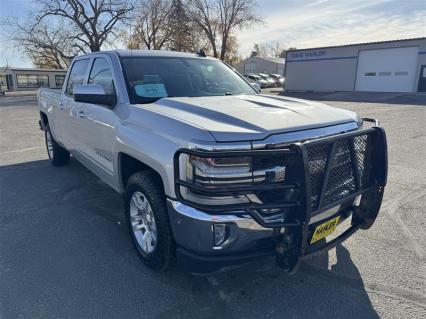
x=128 y=165
x=44 y=120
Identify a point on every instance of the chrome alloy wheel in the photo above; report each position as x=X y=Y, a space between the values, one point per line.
x=49 y=144
x=143 y=222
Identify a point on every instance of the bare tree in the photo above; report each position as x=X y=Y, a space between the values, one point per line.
x=271 y=49
x=62 y=29
x=259 y=50
x=204 y=14
x=93 y=22
x=184 y=34
x=150 y=24
x=276 y=49
x=231 y=56
x=180 y=27
x=219 y=18
x=46 y=45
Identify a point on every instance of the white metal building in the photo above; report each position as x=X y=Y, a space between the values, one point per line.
x=20 y=79
x=257 y=64
x=387 y=66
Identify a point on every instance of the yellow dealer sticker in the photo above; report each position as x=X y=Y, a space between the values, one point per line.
x=325 y=229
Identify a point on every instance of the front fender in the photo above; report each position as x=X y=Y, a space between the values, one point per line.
x=153 y=138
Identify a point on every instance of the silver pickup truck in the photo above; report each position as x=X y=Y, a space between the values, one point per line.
x=213 y=173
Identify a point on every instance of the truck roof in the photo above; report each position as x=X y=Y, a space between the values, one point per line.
x=151 y=53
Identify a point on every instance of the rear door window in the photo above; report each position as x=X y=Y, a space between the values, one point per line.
x=76 y=76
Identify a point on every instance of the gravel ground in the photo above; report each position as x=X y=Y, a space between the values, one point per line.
x=65 y=252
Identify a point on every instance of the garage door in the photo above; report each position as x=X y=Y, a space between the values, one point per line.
x=387 y=70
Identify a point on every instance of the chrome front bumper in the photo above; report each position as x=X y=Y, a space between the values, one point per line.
x=193 y=231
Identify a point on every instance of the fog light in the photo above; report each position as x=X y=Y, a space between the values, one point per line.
x=220 y=232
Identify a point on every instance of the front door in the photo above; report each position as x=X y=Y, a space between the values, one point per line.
x=96 y=124
x=422 y=79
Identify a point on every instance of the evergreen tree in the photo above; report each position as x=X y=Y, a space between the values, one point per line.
x=180 y=28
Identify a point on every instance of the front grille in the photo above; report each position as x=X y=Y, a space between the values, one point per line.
x=346 y=167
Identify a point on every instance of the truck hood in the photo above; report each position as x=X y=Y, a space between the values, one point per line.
x=250 y=117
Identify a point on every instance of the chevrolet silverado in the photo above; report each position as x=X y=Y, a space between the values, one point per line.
x=214 y=173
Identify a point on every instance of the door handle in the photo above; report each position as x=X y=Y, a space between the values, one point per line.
x=81 y=114
x=61 y=106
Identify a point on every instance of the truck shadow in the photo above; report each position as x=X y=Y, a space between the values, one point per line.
x=65 y=252
x=262 y=290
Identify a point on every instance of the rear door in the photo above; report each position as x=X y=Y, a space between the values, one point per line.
x=68 y=109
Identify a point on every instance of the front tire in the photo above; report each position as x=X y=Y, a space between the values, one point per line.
x=147 y=219
x=58 y=155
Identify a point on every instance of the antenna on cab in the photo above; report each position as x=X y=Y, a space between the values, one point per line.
x=200 y=52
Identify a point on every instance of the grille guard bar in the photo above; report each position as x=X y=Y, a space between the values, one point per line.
x=303 y=205
x=293 y=244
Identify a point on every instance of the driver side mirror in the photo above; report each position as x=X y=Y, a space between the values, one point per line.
x=95 y=94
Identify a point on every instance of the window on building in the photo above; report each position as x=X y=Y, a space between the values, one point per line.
x=370 y=74
x=77 y=74
x=401 y=73
x=59 y=80
x=32 y=80
x=101 y=74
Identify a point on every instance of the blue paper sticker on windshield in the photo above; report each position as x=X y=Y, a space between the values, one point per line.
x=151 y=90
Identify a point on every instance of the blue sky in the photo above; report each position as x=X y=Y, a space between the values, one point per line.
x=296 y=23
x=304 y=24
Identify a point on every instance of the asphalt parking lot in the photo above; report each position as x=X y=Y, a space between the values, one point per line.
x=65 y=252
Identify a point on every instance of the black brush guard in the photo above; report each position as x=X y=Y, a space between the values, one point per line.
x=322 y=173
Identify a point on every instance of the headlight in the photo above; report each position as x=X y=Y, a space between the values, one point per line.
x=208 y=176
x=208 y=170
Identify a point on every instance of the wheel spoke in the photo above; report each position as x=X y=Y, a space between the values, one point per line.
x=147 y=237
x=145 y=203
x=137 y=202
x=136 y=218
x=138 y=227
x=148 y=240
x=154 y=235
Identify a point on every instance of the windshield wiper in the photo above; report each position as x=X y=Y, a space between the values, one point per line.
x=228 y=93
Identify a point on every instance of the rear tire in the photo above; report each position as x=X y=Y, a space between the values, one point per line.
x=58 y=155
x=148 y=220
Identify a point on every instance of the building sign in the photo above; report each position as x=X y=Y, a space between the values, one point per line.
x=301 y=55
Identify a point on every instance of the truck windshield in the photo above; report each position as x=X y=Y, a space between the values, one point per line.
x=152 y=78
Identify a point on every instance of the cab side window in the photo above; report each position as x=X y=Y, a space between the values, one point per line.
x=101 y=74
x=77 y=74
